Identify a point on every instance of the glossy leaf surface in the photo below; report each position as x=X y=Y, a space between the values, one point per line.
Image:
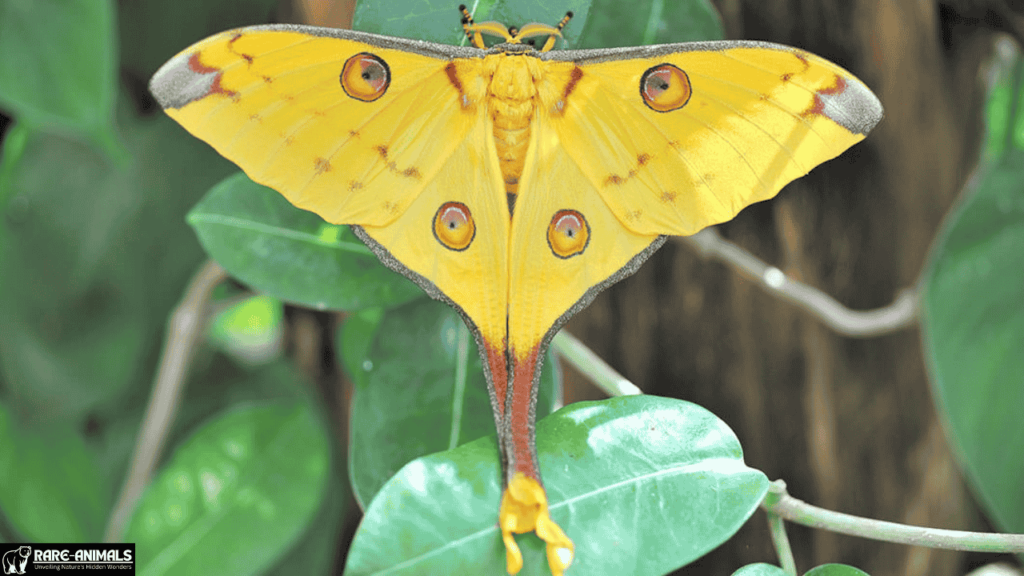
x=643 y=484
x=264 y=241
x=973 y=322
x=234 y=496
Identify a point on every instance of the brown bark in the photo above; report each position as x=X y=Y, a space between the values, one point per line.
x=848 y=423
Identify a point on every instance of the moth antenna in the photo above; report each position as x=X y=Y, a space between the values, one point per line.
x=558 y=29
x=467 y=18
x=472 y=35
x=565 y=20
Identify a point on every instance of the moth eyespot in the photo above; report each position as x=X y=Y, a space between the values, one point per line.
x=365 y=77
x=665 y=88
x=454 y=227
x=568 y=234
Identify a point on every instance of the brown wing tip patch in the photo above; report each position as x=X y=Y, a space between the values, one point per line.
x=848 y=103
x=185 y=79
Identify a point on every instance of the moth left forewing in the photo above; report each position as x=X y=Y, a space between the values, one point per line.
x=273 y=100
x=755 y=116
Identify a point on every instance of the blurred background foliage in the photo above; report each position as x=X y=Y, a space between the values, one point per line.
x=107 y=208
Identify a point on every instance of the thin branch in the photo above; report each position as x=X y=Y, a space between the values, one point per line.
x=592 y=366
x=183 y=332
x=779 y=502
x=777 y=529
x=902 y=313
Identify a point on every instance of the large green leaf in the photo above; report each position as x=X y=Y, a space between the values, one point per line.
x=261 y=239
x=614 y=24
x=973 y=328
x=641 y=484
x=425 y=392
x=58 y=62
x=236 y=495
x=50 y=487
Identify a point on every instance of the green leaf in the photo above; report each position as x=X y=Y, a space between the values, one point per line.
x=425 y=392
x=236 y=495
x=354 y=340
x=835 y=570
x=264 y=241
x=91 y=261
x=617 y=24
x=760 y=569
x=440 y=21
x=315 y=551
x=973 y=327
x=58 y=63
x=50 y=487
x=641 y=484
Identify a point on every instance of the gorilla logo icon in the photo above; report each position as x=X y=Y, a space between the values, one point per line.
x=15 y=561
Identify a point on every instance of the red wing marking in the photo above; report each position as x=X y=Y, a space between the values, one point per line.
x=616 y=179
x=410 y=172
x=818 y=108
x=321 y=165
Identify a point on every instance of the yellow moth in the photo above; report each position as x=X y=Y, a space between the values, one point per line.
x=512 y=182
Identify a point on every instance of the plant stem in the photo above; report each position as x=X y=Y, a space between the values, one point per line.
x=902 y=313
x=780 y=503
x=592 y=366
x=777 y=528
x=183 y=332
